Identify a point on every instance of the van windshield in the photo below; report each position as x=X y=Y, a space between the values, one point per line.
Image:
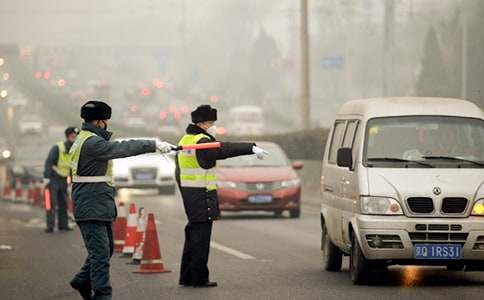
x=436 y=140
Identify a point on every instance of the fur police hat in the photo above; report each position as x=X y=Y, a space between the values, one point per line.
x=70 y=130
x=204 y=113
x=95 y=110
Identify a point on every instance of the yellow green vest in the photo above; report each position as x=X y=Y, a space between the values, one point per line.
x=191 y=173
x=63 y=162
x=75 y=154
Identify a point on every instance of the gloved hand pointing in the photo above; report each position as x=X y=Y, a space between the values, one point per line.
x=163 y=147
x=259 y=152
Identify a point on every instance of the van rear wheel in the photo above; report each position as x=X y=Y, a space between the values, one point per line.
x=332 y=256
x=360 y=267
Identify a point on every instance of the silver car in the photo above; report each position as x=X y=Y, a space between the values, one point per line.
x=403 y=184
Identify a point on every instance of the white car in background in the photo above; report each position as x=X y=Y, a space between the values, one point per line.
x=145 y=171
x=246 y=120
x=30 y=124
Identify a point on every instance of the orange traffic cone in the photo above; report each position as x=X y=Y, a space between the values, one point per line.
x=130 y=238
x=7 y=193
x=120 y=228
x=30 y=194
x=37 y=193
x=151 y=261
x=18 y=189
x=140 y=237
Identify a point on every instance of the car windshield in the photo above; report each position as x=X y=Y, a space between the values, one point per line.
x=435 y=140
x=276 y=158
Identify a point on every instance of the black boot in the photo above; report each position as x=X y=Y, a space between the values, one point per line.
x=84 y=290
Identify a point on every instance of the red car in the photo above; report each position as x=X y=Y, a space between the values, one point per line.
x=248 y=184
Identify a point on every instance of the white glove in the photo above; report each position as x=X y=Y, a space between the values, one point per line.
x=163 y=147
x=259 y=152
x=45 y=182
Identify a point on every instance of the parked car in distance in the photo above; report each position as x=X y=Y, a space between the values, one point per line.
x=402 y=184
x=248 y=184
x=246 y=120
x=30 y=124
x=145 y=171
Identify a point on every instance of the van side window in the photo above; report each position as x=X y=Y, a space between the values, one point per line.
x=350 y=134
x=338 y=131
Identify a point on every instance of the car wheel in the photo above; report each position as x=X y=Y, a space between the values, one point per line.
x=456 y=266
x=360 y=267
x=295 y=213
x=332 y=256
x=277 y=213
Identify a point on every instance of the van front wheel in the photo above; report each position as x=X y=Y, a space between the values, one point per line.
x=360 y=267
x=332 y=256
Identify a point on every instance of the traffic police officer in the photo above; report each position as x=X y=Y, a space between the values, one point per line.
x=197 y=182
x=56 y=172
x=93 y=194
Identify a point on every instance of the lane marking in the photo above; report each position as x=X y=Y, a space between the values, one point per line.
x=231 y=251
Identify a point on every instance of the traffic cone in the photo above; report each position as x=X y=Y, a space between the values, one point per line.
x=7 y=193
x=18 y=189
x=151 y=261
x=140 y=237
x=120 y=229
x=37 y=193
x=130 y=238
x=30 y=194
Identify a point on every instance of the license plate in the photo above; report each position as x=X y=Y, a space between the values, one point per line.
x=438 y=251
x=258 y=199
x=144 y=176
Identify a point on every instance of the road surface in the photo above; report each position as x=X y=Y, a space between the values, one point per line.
x=253 y=256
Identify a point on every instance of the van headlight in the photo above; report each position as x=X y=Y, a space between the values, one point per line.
x=478 y=208
x=230 y=185
x=380 y=206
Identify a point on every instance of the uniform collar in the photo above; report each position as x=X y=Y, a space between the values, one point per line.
x=98 y=131
x=194 y=129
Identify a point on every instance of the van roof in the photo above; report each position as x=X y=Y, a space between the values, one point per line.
x=383 y=107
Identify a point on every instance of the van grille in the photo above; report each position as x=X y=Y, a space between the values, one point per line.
x=438 y=237
x=421 y=205
x=454 y=205
x=438 y=227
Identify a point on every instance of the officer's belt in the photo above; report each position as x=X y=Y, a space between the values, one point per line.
x=91 y=179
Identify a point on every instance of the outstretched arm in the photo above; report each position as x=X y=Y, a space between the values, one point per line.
x=208 y=158
x=104 y=150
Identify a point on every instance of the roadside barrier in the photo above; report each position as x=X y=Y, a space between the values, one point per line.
x=120 y=228
x=130 y=238
x=151 y=261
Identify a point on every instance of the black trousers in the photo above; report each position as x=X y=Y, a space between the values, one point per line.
x=194 y=268
x=94 y=274
x=58 y=204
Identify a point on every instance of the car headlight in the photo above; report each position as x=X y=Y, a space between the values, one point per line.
x=290 y=183
x=380 y=206
x=478 y=208
x=229 y=185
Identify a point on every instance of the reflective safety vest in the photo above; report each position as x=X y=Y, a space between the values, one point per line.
x=191 y=173
x=75 y=154
x=62 y=168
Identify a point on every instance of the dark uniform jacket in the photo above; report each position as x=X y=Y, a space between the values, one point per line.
x=51 y=161
x=95 y=201
x=202 y=205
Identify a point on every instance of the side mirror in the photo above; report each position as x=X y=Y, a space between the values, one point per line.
x=345 y=157
x=297 y=165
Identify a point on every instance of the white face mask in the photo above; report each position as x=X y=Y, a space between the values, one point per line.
x=212 y=130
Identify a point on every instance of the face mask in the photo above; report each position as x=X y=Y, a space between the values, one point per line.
x=212 y=130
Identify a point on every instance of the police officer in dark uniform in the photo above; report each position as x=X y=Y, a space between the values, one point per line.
x=197 y=182
x=56 y=172
x=93 y=194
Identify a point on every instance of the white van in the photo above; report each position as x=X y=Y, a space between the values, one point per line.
x=246 y=120
x=403 y=184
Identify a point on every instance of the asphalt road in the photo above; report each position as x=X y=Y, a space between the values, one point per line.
x=253 y=256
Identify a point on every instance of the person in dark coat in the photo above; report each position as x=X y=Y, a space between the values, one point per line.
x=56 y=173
x=93 y=194
x=197 y=182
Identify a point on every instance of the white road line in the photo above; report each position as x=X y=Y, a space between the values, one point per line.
x=231 y=251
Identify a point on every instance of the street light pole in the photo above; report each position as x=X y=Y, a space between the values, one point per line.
x=305 y=69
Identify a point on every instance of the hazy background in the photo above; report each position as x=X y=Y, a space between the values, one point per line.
x=159 y=59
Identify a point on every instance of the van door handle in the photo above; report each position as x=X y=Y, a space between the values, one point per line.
x=328 y=189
